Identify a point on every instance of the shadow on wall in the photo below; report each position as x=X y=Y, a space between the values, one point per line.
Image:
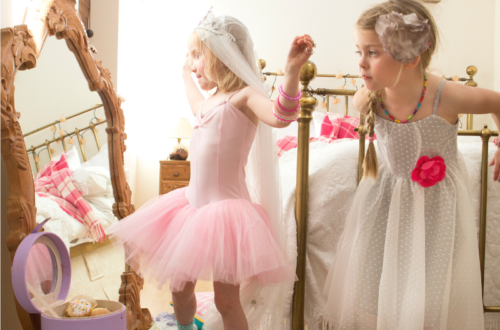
x=10 y=319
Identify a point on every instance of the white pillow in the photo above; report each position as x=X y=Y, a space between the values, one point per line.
x=72 y=158
x=317 y=120
x=93 y=181
x=101 y=159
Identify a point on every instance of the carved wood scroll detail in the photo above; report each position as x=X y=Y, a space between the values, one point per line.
x=20 y=49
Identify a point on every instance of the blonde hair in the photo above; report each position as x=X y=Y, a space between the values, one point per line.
x=216 y=71
x=367 y=21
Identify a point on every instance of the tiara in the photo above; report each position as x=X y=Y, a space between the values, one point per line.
x=210 y=24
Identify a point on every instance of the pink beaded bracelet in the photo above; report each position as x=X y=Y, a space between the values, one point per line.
x=280 y=89
x=284 y=119
x=297 y=108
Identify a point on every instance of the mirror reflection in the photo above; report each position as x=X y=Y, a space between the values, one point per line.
x=50 y=96
x=41 y=271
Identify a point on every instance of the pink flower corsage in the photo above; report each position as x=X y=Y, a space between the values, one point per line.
x=429 y=171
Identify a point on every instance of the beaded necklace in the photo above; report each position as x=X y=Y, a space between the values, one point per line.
x=414 y=112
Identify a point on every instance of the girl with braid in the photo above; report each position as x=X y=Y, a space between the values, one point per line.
x=408 y=257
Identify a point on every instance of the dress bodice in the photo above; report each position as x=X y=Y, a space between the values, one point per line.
x=401 y=145
x=221 y=141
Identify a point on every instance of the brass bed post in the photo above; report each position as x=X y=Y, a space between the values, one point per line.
x=64 y=144
x=308 y=103
x=78 y=138
x=47 y=145
x=92 y=128
x=485 y=136
x=471 y=71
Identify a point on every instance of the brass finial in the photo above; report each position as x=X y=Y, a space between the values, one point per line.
x=262 y=64
x=308 y=73
x=471 y=71
x=308 y=102
x=486 y=133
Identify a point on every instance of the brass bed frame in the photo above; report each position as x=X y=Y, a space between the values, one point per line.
x=83 y=248
x=308 y=102
x=77 y=132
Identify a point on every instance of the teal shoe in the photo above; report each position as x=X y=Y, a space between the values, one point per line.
x=190 y=326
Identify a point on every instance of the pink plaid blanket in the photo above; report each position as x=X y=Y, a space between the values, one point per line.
x=333 y=128
x=54 y=181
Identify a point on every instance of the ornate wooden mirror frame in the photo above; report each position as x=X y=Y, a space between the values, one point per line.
x=20 y=50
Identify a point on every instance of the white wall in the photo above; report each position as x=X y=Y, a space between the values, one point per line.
x=104 y=23
x=152 y=49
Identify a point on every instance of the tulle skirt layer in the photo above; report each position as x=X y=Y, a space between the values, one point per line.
x=228 y=241
x=408 y=258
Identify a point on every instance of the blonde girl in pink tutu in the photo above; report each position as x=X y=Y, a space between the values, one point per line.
x=219 y=228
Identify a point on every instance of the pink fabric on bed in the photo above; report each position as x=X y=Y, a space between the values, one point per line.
x=333 y=127
x=347 y=126
x=54 y=181
x=286 y=143
x=202 y=301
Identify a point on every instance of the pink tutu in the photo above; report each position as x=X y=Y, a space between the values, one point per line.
x=227 y=241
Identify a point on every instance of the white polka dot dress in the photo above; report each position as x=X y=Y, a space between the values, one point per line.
x=408 y=258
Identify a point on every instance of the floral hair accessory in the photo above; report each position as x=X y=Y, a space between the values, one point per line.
x=404 y=37
x=211 y=24
x=429 y=171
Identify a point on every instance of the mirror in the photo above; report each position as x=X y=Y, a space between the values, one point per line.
x=55 y=28
x=41 y=273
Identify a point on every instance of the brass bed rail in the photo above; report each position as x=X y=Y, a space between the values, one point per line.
x=78 y=133
x=308 y=102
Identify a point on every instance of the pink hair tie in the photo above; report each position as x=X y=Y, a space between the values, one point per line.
x=280 y=89
x=371 y=138
x=297 y=108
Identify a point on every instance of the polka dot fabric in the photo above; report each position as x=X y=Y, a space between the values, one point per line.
x=408 y=258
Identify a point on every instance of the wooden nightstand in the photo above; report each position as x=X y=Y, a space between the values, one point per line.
x=174 y=174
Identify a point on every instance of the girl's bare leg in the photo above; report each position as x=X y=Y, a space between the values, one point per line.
x=227 y=301
x=185 y=304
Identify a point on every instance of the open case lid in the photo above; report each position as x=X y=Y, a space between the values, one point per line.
x=41 y=271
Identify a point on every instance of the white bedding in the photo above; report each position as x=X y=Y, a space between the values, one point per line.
x=332 y=184
x=65 y=226
x=93 y=180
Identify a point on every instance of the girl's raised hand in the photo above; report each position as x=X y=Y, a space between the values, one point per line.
x=186 y=69
x=300 y=51
x=496 y=161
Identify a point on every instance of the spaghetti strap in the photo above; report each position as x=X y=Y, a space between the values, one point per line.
x=230 y=96
x=438 y=96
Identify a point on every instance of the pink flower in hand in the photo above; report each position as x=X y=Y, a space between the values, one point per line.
x=429 y=171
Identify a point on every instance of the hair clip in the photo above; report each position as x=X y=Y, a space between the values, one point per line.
x=404 y=37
